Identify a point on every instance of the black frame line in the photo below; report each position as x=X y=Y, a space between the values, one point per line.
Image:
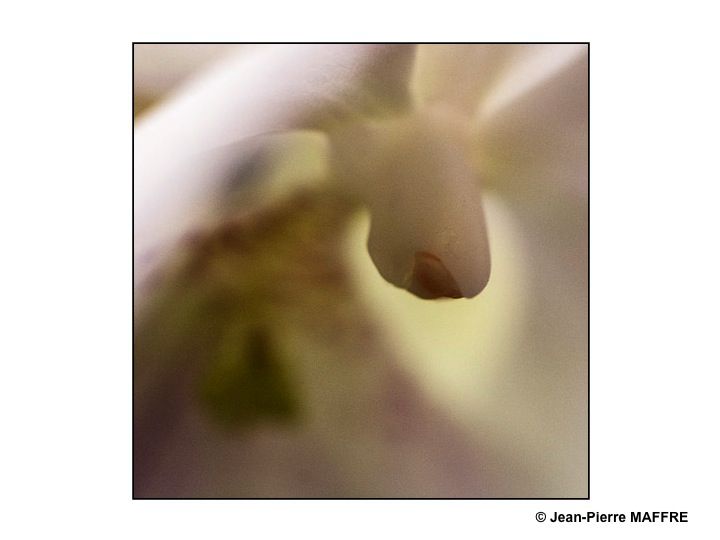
x=134 y=498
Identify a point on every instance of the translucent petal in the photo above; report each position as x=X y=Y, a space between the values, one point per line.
x=458 y=75
x=276 y=88
x=532 y=130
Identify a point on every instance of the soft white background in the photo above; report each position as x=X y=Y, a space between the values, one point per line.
x=65 y=278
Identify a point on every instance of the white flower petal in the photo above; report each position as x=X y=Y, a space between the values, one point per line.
x=159 y=68
x=276 y=88
x=458 y=75
x=532 y=130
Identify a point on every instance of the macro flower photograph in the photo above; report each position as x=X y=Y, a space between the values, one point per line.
x=360 y=270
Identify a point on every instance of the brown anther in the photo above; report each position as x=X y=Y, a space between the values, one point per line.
x=431 y=279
